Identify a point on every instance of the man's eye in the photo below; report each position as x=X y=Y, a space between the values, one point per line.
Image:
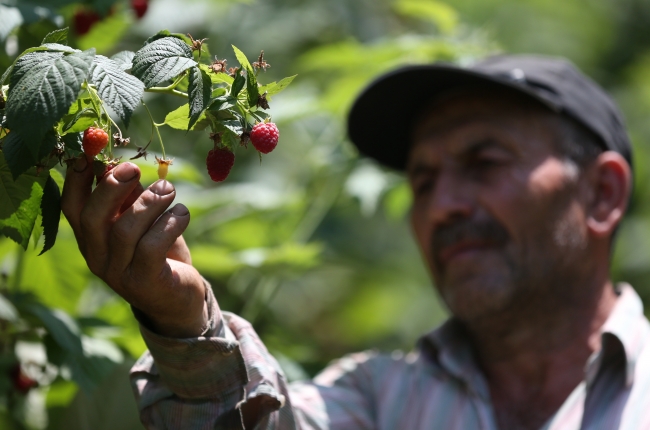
x=422 y=187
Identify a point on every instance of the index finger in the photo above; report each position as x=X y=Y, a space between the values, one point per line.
x=76 y=191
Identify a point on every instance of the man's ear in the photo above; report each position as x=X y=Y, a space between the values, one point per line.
x=610 y=182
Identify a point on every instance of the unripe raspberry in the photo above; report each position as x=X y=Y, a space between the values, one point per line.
x=219 y=163
x=163 y=166
x=95 y=139
x=264 y=137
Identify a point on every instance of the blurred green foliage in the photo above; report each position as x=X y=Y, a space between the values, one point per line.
x=313 y=245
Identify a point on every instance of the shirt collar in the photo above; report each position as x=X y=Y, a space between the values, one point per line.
x=449 y=347
x=629 y=326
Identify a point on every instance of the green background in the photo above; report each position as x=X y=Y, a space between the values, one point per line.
x=313 y=244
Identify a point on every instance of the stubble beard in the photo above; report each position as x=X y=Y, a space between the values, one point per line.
x=515 y=282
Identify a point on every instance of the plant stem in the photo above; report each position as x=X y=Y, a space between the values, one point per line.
x=162 y=147
x=166 y=91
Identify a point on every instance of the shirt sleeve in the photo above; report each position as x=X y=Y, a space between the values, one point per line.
x=227 y=376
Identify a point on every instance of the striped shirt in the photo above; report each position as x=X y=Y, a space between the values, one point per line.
x=201 y=383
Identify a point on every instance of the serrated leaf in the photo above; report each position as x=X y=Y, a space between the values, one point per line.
x=252 y=89
x=57 y=47
x=50 y=213
x=276 y=87
x=124 y=59
x=44 y=95
x=241 y=57
x=233 y=125
x=19 y=202
x=72 y=141
x=199 y=91
x=27 y=62
x=162 y=60
x=221 y=103
x=57 y=36
x=121 y=91
x=165 y=33
x=19 y=157
x=237 y=84
x=217 y=77
x=180 y=118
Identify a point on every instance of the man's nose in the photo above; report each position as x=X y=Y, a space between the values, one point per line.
x=451 y=198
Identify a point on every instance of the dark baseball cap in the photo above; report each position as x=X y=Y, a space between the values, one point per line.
x=382 y=117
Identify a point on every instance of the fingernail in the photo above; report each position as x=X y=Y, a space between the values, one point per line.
x=161 y=187
x=180 y=210
x=125 y=172
x=80 y=164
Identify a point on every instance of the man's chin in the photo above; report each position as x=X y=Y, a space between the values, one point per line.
x=475 y=297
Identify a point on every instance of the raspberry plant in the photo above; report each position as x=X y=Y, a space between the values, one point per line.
x=53 y=95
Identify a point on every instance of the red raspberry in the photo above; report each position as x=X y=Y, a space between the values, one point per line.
x=264 y=137
x=21 y=382
x=219 y=162
x=83 y=20
x=95 y=139
x=139 y=7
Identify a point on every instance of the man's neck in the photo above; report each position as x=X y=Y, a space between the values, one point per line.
x=535 y=356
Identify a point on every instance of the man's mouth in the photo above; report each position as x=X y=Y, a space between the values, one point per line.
x=465 y=248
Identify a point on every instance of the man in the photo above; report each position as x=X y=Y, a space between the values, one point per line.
x=521 y=172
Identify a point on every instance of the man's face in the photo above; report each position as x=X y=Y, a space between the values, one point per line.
x=496 y=210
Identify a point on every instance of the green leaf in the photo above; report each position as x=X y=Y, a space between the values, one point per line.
x=60 y=325
x=162 y=60
x=441 y=14
x=199 y=91
x=57 y=47
x=121 y=91
x=276 y=87
x=50 y=212
x=180 y=119
x=57 y=36
x=72 y=141
x=124 y=59
x=242 y=58
x=79 y=121
x=19 y=202
x=18 y=156
x=222 y=103
x=251 y=88
x=237 y=84
x=165 y=33
x=27 y=62
x=44 y=94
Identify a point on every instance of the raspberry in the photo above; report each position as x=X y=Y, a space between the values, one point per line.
x=219 y=162
x=264 y=137
x=163 y=166
x=83 y=20
x=20 y=381
x=95 y=139
x=139 y=7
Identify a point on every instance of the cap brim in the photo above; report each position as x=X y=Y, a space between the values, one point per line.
x=381 y=119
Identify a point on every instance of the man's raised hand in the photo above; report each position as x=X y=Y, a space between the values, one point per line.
x=131 y=241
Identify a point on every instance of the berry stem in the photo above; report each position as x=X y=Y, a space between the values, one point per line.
x=154 y=125
x=170 y=89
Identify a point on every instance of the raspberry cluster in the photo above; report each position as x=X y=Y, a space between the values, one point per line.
x=264 y=137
